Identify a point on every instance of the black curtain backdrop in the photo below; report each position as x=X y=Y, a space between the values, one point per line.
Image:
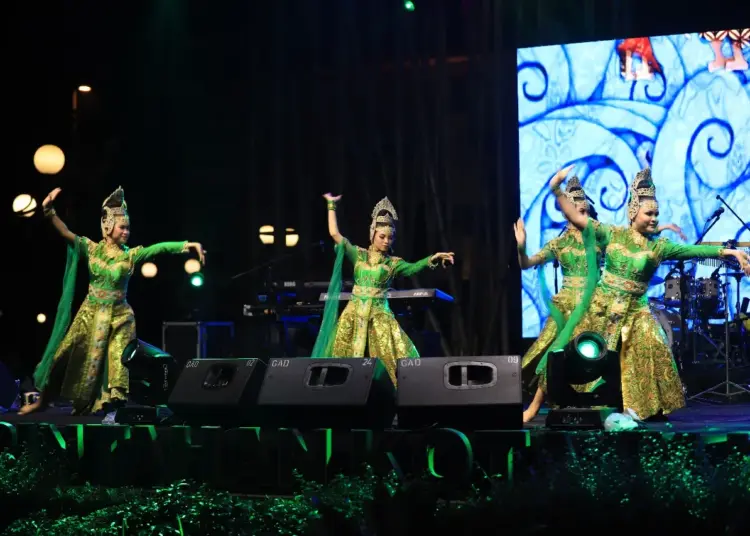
x=220 y=117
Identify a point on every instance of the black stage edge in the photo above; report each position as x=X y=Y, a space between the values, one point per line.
x=263 y=461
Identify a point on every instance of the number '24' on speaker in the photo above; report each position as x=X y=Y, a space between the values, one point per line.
x=327 y=393
x=467 y=393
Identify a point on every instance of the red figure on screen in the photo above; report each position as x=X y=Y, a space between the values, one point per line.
x=639 y=47
x=739 y=39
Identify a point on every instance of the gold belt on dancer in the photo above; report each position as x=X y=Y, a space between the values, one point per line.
x=362 y=292
x=574 y=281
x=106 y=295
x=636 y=288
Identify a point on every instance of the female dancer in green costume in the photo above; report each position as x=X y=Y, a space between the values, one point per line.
x=367 y=323
x=619 y=308
x=84 y=364
x=569 y=250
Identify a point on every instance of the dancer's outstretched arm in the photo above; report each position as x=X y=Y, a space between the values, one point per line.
x=49 y=212
x=333 y=227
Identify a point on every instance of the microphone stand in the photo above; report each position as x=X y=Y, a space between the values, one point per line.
x=745 y=225
x=724 y=388
x=270 y=263
x=270 y=290
x=713 y=221
x=556 y=263
x=686 y=307
x=738 y=276
x=555 y=266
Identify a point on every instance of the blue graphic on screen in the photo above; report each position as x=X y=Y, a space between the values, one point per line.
x=679 y=103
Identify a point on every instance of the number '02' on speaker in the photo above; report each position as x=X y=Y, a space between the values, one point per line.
x=327 y=393
x=217 y=391
x=467 y=393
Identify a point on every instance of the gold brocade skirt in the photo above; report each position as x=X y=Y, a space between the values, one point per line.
x=88 y=366
x=650 y=382
x=368 y=325
x=566 y=300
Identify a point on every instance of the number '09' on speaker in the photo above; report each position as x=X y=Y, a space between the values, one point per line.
x=477 y=393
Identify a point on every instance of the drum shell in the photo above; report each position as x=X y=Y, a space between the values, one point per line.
x=708 y=296
x=670 y=322
x=673 y=290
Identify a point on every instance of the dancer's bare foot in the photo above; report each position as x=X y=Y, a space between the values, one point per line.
x=31 y=408
x=530 y=413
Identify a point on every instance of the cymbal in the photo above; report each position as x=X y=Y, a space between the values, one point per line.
x=733 y=274
x=739 y=244
x=656 y=280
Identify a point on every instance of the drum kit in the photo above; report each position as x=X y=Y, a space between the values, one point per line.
x=695 y=315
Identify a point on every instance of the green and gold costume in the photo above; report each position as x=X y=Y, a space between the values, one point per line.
x=367 y=326
x=85 y=366
x=619 y=309
x=570 y=251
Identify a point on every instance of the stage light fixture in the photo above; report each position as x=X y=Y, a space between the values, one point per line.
x=409 y=5
x=84 y=89
x=197 y=280
x=292 y=238
x=192 y=266
x=585 y=359
x=149 y=270
x=153 y=373
x=41 y=318
x=49 y=159
x=24 y=205
x=266 y=234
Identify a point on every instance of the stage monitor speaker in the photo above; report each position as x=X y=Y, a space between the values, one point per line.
x=217 y=391
x=467 y=393
x=327 y=393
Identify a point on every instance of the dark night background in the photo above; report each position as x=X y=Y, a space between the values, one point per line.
x=220 y=117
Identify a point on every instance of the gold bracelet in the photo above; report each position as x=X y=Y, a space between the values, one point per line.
x=48 y=213
x=331 y=205
x=556 y=190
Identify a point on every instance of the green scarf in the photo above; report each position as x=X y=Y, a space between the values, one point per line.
x=62 y=318
x=327 y=333
x=565 y=329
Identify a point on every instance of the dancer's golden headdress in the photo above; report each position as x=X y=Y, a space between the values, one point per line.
x=574 y=192
x=642 y=192
x=383 y=215
x=113 y=207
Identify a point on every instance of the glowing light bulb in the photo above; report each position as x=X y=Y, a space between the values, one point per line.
x=49 y=159
x=192 y=266
x=149 y=270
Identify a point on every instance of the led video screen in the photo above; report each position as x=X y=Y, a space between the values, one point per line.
x=679 y=103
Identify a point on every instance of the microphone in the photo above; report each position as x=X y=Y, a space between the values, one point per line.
x=718 y=212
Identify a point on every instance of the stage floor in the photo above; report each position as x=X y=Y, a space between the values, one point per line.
x=696 y=418
x=252 y=460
